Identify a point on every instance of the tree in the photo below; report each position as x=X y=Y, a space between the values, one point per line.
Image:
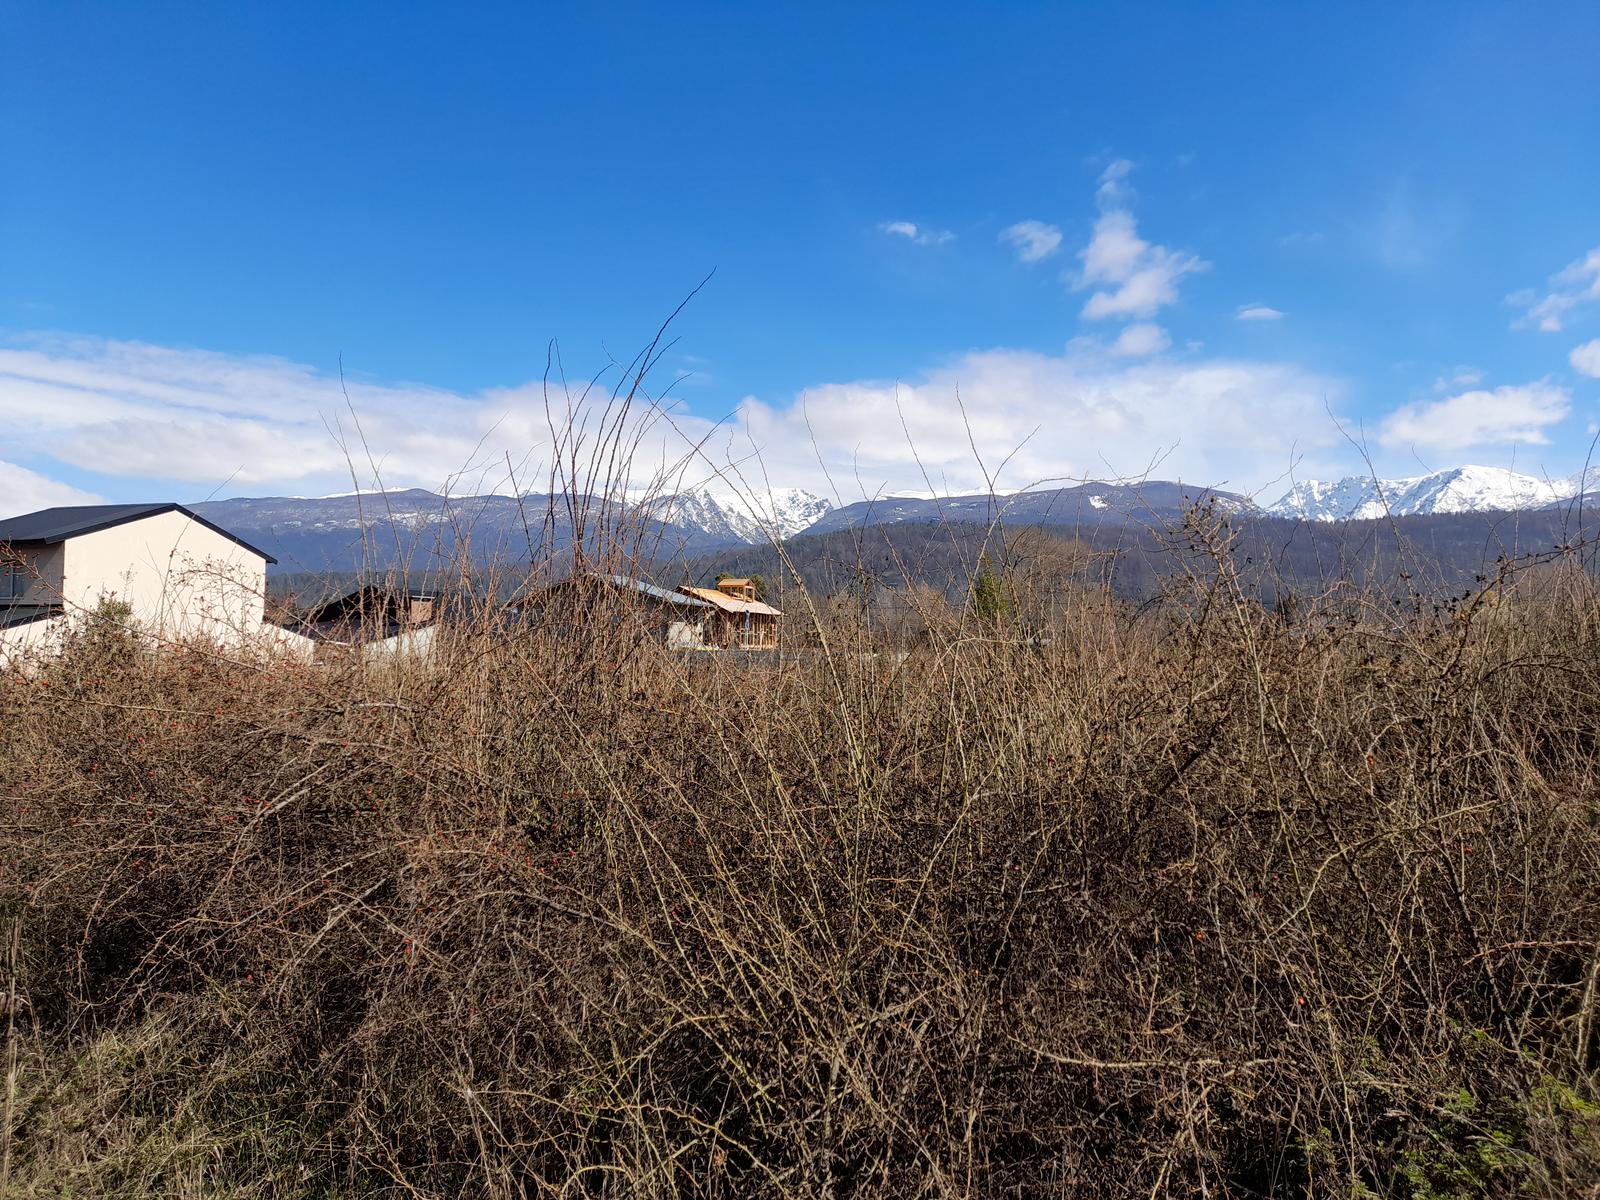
x=987 y=601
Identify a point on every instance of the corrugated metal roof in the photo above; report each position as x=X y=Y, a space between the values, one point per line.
x=654 y=592
x=51 y=525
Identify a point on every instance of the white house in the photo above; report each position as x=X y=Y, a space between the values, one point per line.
x=180 y=575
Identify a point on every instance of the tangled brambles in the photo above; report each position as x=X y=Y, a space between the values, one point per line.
x=1204 y=900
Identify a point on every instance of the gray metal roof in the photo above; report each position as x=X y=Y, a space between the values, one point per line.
x=51 y=525
x=654 y=592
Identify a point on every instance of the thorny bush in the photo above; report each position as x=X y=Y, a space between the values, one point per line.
x=1203 y=899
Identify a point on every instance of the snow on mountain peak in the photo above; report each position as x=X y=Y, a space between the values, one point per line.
x=1460 y=489
x=753 y=518
x=1580 y=482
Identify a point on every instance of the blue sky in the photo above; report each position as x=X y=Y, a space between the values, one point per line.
x=1059 y=211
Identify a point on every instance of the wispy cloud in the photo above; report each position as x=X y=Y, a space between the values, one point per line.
x=1115 y=191
x=1133 y=278
x=1257 y=312
x=198 y=418
x=920 y=235
x=22 y=490
x=136 y=410
x=1585 y=359
x=1409 y=231
x=1514 y=414
x=1575 y=284
x=1033 y=241
x=1137 y=341
x=1461 y=377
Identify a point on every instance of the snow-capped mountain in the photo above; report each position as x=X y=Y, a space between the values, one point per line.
x=345 y=532
x=1088 y=504
x=754 y=520
x=313 y=533
x=379 y=530
x=1461 y=489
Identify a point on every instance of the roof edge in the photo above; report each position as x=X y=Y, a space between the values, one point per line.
x=153 y=511
x=43 y=612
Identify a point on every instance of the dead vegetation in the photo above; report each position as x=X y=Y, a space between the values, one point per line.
x=1203 y=899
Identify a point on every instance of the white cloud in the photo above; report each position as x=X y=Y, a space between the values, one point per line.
x=1074 y=415
x=266 y=424
x=136 y=409
x=22 y=491
x=1137 y=341
x=916 y=233
x=1033 y=241
x=1257 y=312
x=1478 y=418
x=1586 y=359
x=1576 y=283
x=199 y=418
x=1461 y=377
x=195 y=420
x=1137 y=278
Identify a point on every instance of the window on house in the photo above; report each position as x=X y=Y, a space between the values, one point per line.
x=13 y=581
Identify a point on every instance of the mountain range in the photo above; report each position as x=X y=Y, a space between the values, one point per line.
x=1461 y=489
x=420 y=528
x=782 y=513
x=1468 y=489
x=345 y=532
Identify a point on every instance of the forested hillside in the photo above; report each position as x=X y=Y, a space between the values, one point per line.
x=1430 y=555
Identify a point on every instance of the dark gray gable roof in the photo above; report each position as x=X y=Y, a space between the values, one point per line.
x=12 y=615
x=371 y=601
x=51 y=525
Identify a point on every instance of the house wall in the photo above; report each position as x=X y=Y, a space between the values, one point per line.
x=761 y=633
x=19 y=642
x=686 y=635
x=746 y=631
x=410 y=644
x=405 y=644
x=180 y=578
x=276 y=640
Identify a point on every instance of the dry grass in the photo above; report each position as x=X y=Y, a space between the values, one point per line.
x=1199 y=901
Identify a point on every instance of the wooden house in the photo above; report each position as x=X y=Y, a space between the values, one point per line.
x=739 y=621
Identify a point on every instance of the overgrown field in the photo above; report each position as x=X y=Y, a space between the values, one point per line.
x=1201 y=899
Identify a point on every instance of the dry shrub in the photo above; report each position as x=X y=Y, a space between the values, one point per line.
x=1196 y=900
